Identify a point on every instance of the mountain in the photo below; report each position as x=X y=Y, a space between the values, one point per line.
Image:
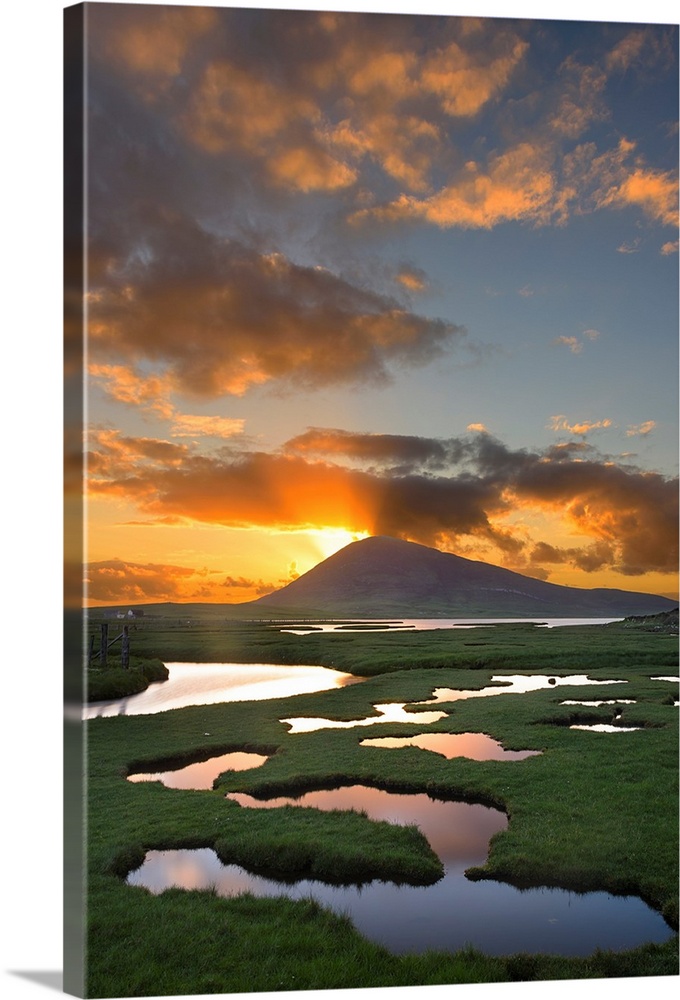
x=383 y=577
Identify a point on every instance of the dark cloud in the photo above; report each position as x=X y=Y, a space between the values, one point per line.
x=406 y=451
x=289 y=491
x=635 y=513
x=631 y=516
x=588 y=558
x=219 y=317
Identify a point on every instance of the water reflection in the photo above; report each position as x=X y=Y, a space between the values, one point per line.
x=457 y=831
x=214 y=683
x=202 y=774
x=393 y=712
x=504 y=684
x=475 y=746
x=603 y=727
x=426 y=624
x=453 y=912
x=513 y=684
x=598 y=704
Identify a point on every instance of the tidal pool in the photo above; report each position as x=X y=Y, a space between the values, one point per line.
x=513 y=684
x=604 y=727
x=201 y=774
x=393 y=712
x=491 y=916
x=213 y=683
x=598 y=704
x=475 y=746
x=396 y=712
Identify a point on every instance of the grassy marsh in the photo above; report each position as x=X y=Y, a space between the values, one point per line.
x=594 y=811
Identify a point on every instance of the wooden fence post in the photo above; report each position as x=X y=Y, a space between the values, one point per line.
x=125 y=648
x=105 y=643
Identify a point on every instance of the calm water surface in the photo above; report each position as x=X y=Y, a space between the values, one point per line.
x=426 y=624
x=214 y=683
x=474 y=746
x=202 y=774
x=397 y=712
x=455 y=911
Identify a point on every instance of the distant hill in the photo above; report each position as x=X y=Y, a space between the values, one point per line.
x=665 y=621
x=383 y=577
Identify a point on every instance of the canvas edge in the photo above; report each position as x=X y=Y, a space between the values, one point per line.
x=74 y=278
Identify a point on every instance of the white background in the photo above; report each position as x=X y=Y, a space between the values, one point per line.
x=30 y=652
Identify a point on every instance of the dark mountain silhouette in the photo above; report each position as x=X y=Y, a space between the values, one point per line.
x=386 y=577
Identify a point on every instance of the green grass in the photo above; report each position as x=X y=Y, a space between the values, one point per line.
x=591 y=812
x=107 y=683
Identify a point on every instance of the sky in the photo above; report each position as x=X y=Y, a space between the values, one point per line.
x=366 y=273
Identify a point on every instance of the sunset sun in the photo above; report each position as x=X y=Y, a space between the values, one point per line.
x=328 y=541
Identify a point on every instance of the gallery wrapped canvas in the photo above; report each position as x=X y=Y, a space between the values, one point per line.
x=371 y=605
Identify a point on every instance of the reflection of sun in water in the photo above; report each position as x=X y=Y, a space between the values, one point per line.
x=328 y=541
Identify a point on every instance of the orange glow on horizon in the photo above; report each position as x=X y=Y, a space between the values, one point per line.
x=328 y=541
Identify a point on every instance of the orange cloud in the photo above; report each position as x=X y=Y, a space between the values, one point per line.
x=573 y=343
x=641 y=430
x=152 y=44
x=186 y=425
x=631 y=512
x=517 y=185
x=469 y=72
x=115 y=581
x=310 y=168
x=391 y=74
x=413 y=279
x=125 y=385
x=221 y=318
x=236 y=105
x=313 y=103
x=533 y=182
x=332 y=96
x=640 y=48
x=112 y=455
x=560 y=423
x=238 y=110
x=627 y=51
x=611 y=180
x=669 y=248
x=405 y=146
x=654 y=191
x=581 y=99
x=632 y=247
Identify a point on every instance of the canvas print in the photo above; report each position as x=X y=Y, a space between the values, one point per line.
x=371 y=604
